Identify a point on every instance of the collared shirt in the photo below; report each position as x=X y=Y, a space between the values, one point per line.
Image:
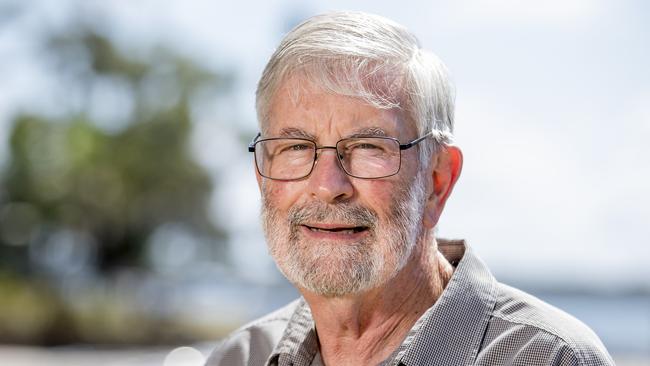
x=476 y=321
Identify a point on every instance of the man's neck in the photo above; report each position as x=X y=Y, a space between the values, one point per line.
x=364 y=329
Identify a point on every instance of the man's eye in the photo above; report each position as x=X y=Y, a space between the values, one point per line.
x=369 y=146
x=296 y=148
x=366 y=146
x=300 y=147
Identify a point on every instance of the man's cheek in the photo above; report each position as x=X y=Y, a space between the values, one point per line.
x=277 y=189
x=272 y=193
x=380 y=193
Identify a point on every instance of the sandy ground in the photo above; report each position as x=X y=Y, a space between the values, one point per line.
x=34 y=356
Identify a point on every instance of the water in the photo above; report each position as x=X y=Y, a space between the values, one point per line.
x=621 y=322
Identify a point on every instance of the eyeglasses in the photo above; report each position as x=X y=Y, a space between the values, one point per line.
x=288 y=158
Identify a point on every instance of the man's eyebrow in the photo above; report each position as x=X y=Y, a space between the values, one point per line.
x=296 y=132
x=369 y=132
x=362 y=132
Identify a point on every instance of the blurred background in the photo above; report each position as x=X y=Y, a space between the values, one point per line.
x=129 y=229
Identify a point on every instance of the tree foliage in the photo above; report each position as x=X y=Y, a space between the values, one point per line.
x=87 y=186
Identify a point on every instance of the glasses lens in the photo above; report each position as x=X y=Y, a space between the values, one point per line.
x=284 y=158
x=371 y=157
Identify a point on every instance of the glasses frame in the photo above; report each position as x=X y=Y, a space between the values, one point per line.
x=253 y=144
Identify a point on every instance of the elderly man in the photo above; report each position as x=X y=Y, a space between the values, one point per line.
x=355 y=162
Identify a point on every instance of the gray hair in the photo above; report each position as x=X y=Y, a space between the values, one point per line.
x=369 y=57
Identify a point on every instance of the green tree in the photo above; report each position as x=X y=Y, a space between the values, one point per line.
x=105 y=188
x=116 y=187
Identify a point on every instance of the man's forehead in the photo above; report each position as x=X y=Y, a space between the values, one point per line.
x=340 y=126
x=305 y=109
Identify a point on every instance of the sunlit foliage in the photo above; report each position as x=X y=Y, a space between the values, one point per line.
x=86 y=186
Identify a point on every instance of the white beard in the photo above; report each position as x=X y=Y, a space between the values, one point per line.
x=335 y=270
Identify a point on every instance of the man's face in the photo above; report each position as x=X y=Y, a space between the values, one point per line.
x=330 y=233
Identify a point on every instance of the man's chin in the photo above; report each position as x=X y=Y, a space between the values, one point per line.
x=330 y=282
x=329 y=291
x=322 y=278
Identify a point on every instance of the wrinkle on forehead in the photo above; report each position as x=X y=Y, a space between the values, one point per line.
x=305 y=96
x=294 y=132
x=377 y=89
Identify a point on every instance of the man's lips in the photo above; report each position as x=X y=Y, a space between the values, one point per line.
x=334 y=228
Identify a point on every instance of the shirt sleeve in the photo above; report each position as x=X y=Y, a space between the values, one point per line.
x=519 y=344
x=249 y=346
x=252 y=344
x=246 y=347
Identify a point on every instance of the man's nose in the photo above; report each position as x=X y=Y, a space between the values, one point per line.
x=328 y=181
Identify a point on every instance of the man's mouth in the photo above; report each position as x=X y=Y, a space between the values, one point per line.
x=336 y=229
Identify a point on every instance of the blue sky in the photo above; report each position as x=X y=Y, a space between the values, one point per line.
x=553 y=116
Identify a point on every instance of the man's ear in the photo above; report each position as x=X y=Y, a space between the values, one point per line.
x=446 y=167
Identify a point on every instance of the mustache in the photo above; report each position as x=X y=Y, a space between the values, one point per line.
x=345 y=213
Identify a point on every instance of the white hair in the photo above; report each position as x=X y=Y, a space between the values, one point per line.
x=369 y=57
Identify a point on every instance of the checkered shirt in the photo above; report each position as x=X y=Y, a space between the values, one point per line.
x=476 y=321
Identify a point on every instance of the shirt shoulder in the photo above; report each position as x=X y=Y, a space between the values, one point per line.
x=525 y=330
x=253 y=343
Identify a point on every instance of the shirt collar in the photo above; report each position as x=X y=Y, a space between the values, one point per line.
x=449 y=333
x=299 y=343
